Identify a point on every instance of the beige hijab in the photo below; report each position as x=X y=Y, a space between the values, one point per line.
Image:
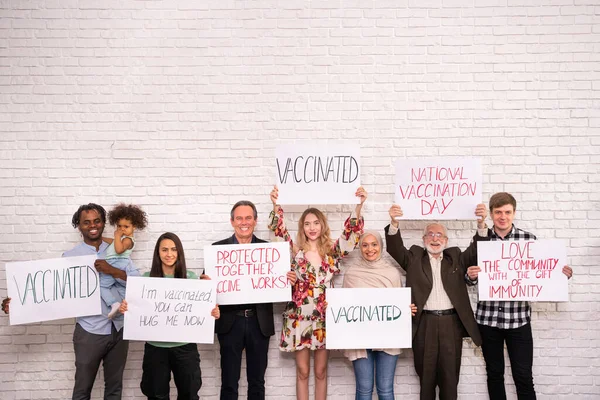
x=379 y=273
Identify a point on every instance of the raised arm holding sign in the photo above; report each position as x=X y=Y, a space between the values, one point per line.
x=315 y=260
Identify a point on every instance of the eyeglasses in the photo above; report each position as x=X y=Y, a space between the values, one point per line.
x=435 y=235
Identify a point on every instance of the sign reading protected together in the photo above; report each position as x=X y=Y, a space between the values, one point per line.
x=438 y=188
x=318 y=173
x=169 y=310
x=522 y=270
x=249 y=273
x=369 y=318
x=44 y=290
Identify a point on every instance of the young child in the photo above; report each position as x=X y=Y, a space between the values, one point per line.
x=126 y=219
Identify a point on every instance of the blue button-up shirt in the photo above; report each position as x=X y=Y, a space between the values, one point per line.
x=100 y=324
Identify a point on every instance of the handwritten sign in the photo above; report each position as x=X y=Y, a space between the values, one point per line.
x=318 y=173
x=373 y=318
x=522 y=270
x=249 y=273
x=438 y=188
x=44 y=290
x=169 y=310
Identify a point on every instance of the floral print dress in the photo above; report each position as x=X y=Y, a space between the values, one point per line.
x=304 y=316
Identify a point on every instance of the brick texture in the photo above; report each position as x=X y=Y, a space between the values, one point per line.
x=178 y=106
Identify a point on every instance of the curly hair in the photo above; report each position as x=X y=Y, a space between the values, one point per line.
x=130 y=212
x=88 y=207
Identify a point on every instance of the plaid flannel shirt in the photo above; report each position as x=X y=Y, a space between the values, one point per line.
x=505 y=314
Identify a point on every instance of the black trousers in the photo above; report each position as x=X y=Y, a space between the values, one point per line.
x=519 y=343
x=159 y=362
x=437 y=352
x=90 y=350
x=244 y=334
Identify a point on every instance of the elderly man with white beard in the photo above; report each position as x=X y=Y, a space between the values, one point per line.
x=436 y=276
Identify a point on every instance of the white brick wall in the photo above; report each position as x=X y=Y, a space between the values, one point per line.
x=178 y=106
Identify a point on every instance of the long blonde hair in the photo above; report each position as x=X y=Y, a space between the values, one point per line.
x=324 y=243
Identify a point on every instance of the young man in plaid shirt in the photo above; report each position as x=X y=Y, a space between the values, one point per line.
x=506 y=321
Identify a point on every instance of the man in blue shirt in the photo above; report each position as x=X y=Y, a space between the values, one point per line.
x=96 y=338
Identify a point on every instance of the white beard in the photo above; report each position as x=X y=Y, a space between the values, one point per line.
x=434 y=251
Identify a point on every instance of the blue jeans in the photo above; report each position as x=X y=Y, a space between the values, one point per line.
x=112 y=291
x=378 y=367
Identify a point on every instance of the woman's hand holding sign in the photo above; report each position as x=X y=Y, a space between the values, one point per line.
x=274 y=195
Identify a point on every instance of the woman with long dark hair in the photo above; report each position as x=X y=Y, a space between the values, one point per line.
x=162 y=358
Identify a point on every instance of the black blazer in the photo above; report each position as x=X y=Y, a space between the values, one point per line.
x=420 y=279
x=264 y=311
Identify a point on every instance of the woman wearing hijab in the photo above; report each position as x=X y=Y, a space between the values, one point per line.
x=373 y=365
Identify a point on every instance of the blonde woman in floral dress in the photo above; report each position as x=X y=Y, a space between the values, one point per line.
x=315 y=260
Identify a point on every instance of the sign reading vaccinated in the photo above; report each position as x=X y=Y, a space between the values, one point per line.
x=318 y=173
x=44 y=290
x=438 y=188
x=249 y=273
x=372 y=318
x=522 y=270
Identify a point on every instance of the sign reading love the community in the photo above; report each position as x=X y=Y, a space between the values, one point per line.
x=522 y=270
x=372 y=318
x=317 y=173
x=44 y=290
x=438 y=188
x=249 y=273
x=169 y=310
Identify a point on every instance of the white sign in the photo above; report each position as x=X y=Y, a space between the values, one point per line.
x=522 y=270
x=438 y=188
x=373 y=318
x=249 y=273
x=44 y=290
x=169 y=310
x=317 y=173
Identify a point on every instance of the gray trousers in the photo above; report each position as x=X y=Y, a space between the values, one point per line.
x=90 y=350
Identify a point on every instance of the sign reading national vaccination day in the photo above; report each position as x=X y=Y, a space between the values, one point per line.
x=44 y=290
x=317 y=173
x=439 y=188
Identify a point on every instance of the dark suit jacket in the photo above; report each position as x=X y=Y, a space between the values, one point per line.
x=419 y=278
x=264 y=311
